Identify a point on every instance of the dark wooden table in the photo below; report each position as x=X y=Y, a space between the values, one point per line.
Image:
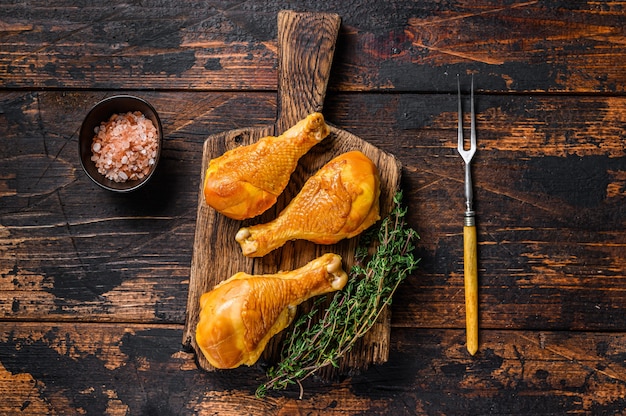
x=93 y=285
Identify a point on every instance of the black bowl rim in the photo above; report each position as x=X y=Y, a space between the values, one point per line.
x=86 y=134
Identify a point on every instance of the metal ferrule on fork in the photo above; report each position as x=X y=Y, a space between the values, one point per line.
x=469 y=218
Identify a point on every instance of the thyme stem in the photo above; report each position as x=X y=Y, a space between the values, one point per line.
x=315 y=343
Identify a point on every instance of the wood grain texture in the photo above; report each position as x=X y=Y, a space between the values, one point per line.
x=93 y=286
x=548 y=258
x=404 y=45
x=140 y=369
x=306 y=47
x=470 y=279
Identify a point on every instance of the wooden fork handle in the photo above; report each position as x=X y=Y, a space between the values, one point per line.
x=470 y=265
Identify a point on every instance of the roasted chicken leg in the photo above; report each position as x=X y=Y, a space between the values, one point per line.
x=245 y=181
x=240 y=315
x=339 y=201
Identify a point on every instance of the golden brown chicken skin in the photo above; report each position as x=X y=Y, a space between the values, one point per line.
x=339 y=201
x=240 y=315
x=244 y=182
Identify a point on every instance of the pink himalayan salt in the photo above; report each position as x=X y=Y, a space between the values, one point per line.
x=125 y=147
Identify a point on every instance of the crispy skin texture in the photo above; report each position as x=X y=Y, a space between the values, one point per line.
x=339 y=201
x=244 y=182
x=240 y=315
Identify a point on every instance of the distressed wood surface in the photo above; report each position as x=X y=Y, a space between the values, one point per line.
x=140 y=369
x=93 y=286
x=404 y=45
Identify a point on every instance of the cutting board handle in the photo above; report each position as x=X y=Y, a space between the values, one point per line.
x=306 y=45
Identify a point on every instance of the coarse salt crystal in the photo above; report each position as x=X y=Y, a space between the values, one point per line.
x=122 y=144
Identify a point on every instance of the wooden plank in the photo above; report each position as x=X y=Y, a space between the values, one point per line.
x=74 y=368
x=550 y=189
x=403 y=45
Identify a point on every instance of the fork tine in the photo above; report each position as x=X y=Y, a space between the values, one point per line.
x=460 y=144
x=473 y=118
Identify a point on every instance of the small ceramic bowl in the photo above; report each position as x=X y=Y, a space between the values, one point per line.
x=101 y=112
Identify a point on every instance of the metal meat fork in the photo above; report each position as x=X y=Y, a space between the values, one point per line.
x=470 y=262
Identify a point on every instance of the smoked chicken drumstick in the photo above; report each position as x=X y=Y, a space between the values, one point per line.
x=245 y=181
x=240 y=315
x=339 y=201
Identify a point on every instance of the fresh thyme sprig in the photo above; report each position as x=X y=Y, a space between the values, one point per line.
x=315 y=343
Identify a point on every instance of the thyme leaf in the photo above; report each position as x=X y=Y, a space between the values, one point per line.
x=315 y=343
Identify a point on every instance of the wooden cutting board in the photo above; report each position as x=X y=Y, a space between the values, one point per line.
x=306 y=44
